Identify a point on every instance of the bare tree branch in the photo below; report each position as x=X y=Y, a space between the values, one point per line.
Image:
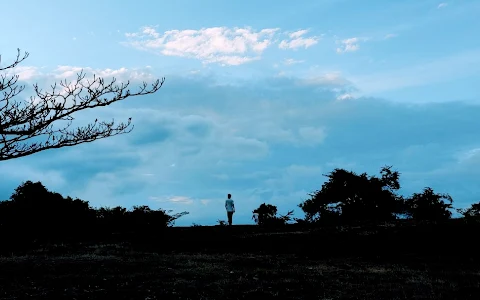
x=27 y=127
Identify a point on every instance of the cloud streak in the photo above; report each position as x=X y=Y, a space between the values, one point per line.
x=298 y=40
x=291 y=61
x=221 y=45
x=349 y=45
x=442 y=5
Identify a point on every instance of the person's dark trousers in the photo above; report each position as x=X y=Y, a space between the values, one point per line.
x=229 y=215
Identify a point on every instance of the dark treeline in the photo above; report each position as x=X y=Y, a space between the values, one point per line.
x=34 y=215
x=350 y=198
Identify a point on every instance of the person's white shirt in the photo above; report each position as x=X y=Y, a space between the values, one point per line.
x=229 y=205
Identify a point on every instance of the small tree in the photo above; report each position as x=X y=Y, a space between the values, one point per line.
x=39 y=213
x=27 y=127
x=429 y=206
x=267 y=215
x=350 y=197
x=146 y=219
x=471 y=213
x=266 y=212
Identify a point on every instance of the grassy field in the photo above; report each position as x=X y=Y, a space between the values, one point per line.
x=221 y=269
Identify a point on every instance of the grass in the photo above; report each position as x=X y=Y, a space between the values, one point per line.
x=121 y=271
x=227 y=276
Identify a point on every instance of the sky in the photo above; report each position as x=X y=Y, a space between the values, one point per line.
x=261 y=98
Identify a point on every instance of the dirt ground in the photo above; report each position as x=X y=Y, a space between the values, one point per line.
x=104 y=272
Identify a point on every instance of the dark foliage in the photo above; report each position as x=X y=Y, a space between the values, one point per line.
x=348 y=197
x=429 y=206
x=267 y=216
x=34 y=214
x=472 y=213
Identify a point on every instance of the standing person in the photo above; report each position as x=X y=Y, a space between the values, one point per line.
x=230 y=207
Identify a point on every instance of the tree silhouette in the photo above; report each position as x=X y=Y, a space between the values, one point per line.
x=27 y=127
x=112 y=220
x=144 y=218
x=267 y=215
x=35 y=213
x=429 y=206
x=266 y=212
x=347 y=197
x=473 y=212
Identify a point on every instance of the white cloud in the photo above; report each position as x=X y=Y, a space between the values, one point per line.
x=296 y=40
x=470 y=157
x=390 y=36
x=297 y=34
x=222 y=45
x=25 y=73
x=172 y=199
x=32 y=73
x=345 y=96
x=122 y=74
x=210 y=45
x=442 y=5
x=349 y=45
x=332 y=79
x=45 y=78
x=291 y=61
x=181 y=199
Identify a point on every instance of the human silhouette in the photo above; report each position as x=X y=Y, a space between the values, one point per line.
x=230 y=207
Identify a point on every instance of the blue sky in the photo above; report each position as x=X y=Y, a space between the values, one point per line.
x=261 y=98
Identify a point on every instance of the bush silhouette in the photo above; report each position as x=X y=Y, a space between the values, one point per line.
x=35 y=214
x=429 y=206
x=267 y=215
x=348 y=197
x=472 y=213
